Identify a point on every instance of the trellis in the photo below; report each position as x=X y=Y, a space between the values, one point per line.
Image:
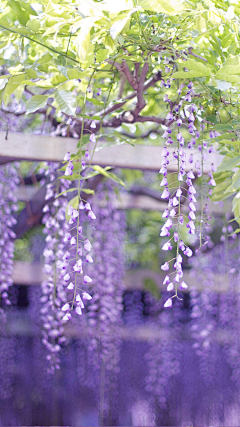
x=14 y=146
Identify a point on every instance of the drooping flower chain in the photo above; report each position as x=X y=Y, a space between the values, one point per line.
x=58 y=267
x=165 y=350
x=105 y=312
x=8 y=205
x=106 y=308
x=184 y=110
x=80 y=246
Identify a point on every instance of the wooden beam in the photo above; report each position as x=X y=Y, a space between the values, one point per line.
x=25 y=193
x=24 y=327
x=46 y=148
x=128 y=201
x=25 y=273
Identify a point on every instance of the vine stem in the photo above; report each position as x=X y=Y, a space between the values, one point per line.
x=40 y=43
x=179 y=213
x=102 y=392
x=81 y=181
x=55 y=266
x=201 y=219
x=79 y=184
x=139 y=23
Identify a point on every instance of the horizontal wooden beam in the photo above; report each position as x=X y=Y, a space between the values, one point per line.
x=25 y=193
x=130 y=201
x=26 y=273
x=24 y=327
x=46 y=148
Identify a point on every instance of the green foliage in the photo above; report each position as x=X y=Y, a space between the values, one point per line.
x=57 y=49
x=36 y=102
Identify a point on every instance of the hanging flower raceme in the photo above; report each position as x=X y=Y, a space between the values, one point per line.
x=213 y=324
x=53 y=288
x=105 y=312
x=8 y=205
x=60 y=265
x=173 y=215
x=165 y=351
x=80 y=245
x=183 y=112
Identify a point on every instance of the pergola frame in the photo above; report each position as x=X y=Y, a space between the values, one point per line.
x=15 y=146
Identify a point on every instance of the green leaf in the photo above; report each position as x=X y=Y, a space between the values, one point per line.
x=232 y=61
x=20 y=14
x=87 y=191
x=201 y=24
x=236 y=207
x=34 y=25
x=226 y=141
x=3 y=83
x=235 y=231
x=96 y=102
x=223 y=127
x=186 y=74
x=63 y=70
x=169 y=7
x=66 y=101
x=219 y=191
x=198 y=66
x=109 y=175
x=28 y=8
x=36 y=102
x=228 y=164
x=31 y=74
x=212 y=119
x=230 y=69
x=69 y=190
x=45 y=59
x=235 y=186
x=118 y=26
x=12 y=84
x=102 y=55
x=227 y=77
x=83 y=38
x=220 y=177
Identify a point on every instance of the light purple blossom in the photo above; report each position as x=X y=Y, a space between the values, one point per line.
x=168 y=303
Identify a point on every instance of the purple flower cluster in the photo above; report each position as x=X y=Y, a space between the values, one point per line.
x=105 y=312
x=8 y=205
x=215 y=313
x=59 y=265
x=164 y=353
x=69 y=168
x=180 y=111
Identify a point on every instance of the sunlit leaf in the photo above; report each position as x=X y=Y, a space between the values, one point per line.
x=228 y=164
x=66 y=101
x=36 y=102
x=109 y=175
x=198 y=66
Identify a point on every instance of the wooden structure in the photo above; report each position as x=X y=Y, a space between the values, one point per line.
x=46 y=148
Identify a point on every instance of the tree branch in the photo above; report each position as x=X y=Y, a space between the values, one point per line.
x=122 y=85
x=151 y=82
x=190 y=51
x=141 y=102
x=143 y=135
x=143 y=119
x=124 y=68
